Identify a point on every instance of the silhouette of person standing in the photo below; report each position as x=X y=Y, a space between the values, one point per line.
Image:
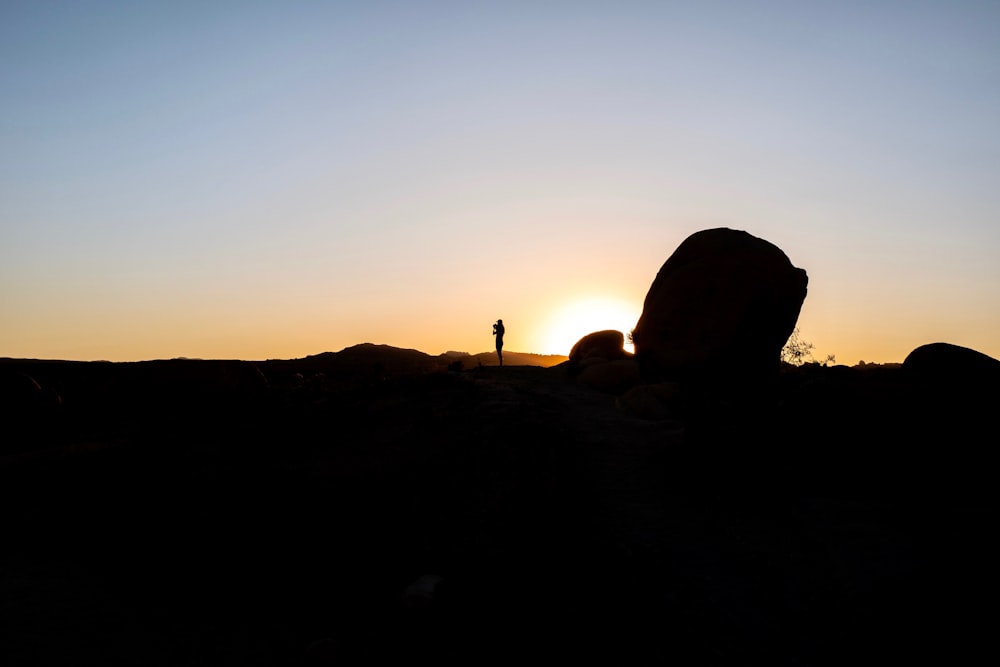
x=498 y=332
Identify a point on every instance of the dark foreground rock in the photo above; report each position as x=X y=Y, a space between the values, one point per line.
x=372 y=515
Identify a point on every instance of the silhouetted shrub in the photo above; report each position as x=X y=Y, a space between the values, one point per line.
x=798 y=351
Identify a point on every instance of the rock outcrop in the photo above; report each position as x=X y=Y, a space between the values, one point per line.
x=608 y=345
x=599 y=360
x=719 y=312
x=944 y=362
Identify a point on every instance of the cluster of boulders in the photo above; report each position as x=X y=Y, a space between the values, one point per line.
x=713 y=325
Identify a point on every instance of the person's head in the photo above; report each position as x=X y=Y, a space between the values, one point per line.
x=499 y=321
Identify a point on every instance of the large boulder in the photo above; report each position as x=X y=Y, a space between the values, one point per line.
x=957 y=380
x=719 y=311
x=953 y=364
x=599 y=360
x=608 y=344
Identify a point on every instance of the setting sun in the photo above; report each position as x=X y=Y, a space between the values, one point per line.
x=570 y=323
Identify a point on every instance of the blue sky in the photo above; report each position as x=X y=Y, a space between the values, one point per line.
x=257 y=180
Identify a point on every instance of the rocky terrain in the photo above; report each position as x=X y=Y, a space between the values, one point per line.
x=377 y=505
x=198 y=512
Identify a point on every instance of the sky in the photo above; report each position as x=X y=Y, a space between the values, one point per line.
x=260 y=180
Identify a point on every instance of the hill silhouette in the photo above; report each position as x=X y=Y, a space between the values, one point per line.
x=410 y=360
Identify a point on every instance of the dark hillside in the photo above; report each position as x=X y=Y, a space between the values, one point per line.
x=357 y=509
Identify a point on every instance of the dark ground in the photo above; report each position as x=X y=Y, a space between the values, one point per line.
x=156 y=517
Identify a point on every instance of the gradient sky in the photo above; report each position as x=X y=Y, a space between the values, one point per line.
x=275 y=179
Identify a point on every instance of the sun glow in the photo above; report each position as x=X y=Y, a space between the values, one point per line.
x=572 y=322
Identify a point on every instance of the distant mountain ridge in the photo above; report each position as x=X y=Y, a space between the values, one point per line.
x=397 y=359
x=362 y=354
